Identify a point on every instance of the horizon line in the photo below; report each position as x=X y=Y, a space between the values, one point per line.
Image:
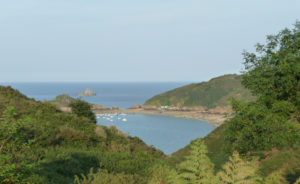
x=97 y=82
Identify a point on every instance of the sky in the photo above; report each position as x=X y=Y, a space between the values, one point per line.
x=133 y=40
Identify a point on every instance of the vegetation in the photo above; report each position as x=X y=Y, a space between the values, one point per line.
x=197 y=167
x=40 y=144
x=213 y=93
x=83 y=109
x=267 y=128
x=237 y=170
x=63 y=100
x=259 y=145
x=163 y=173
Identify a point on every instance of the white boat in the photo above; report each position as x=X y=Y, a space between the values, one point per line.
x=124 y=119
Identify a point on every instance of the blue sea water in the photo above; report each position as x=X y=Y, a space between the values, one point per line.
x=166 y=133
x=108 y=94
x=163 y=132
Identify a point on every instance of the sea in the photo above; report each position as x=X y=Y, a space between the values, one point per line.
x=166 y=133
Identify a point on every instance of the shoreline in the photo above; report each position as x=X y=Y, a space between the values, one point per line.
x=216 y=119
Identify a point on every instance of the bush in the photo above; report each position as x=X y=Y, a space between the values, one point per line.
x=256 y=127
x=83 y=109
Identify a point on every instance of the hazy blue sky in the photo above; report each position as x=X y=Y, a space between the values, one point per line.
x=133 y=40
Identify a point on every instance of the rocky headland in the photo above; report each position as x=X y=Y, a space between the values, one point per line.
x=63 y=101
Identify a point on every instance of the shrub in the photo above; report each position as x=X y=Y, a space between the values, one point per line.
x=239 y=171
x=197 y=168
x=83 y=109
x=101 y=132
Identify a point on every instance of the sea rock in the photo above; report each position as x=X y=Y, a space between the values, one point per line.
x=115 y=108
x=87 y=92
x=137 y=106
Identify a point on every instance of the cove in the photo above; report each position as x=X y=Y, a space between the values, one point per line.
x=166 y=133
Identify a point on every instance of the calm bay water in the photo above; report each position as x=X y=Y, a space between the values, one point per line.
x=164 y=132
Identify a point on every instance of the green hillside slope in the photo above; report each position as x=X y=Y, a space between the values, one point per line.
x=41 y=144
x=213 y=93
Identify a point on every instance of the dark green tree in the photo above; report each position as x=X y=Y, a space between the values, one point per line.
x=274 y=70
x=273 y=75
x=257 y=127
x=83 y=109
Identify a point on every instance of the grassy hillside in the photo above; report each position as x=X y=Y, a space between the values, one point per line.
x=40 y=144
x=215 y=92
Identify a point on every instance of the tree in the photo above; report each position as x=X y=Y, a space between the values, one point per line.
x=273 y=75
x=256 y=127
x=197 y=168
x=83 y=109
x=163 y=174
x=274 y=71
x=275 y=178
x=239 y=171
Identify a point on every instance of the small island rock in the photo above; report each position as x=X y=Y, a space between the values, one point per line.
x=87 y=92
x=115 y=108
x=137 y=106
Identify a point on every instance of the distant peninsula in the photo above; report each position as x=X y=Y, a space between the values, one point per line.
x=87 y=92
x=213 y=95
x=63 y=101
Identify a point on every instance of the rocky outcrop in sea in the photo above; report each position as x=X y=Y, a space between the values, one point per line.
x=87 y=92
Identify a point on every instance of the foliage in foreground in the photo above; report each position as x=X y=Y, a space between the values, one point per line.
x=273 y=74
x=196 y=169
x=272 y=122
x=40 y=144
x=197 y=166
